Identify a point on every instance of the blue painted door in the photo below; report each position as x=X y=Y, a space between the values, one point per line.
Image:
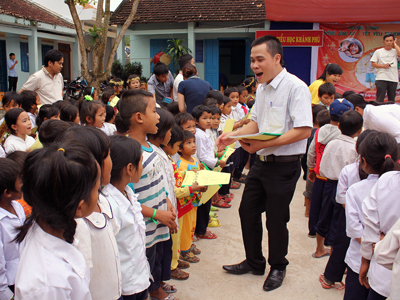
x=3 y=67
x=24 y=57
x=45 y=48
x=160 y=45
x=211 y=62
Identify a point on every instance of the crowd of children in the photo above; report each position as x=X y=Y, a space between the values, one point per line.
x=350 y=195
x=92 y=195
x=92 y=204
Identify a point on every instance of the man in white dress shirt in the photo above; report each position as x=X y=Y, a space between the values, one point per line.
x=385 y=62
x=48 y=82
x=283 y=105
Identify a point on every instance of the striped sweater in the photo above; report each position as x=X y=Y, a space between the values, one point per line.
x=152 y=193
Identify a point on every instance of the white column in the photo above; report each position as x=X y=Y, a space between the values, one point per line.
x=33 y=52
x=267 y=25
x=121 y=47
x=191 y=38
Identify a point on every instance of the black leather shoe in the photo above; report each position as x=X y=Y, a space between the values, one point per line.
x=274 y=280
x=241 y=268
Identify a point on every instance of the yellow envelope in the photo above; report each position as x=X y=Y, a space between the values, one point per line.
x=228 y=152
x=262 y=136
x=206 y=178
x=209 y=193
x=229 y=125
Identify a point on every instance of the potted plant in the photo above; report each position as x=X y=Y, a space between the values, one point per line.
x=176 y=50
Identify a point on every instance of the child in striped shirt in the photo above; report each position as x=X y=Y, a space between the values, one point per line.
x=138 y=111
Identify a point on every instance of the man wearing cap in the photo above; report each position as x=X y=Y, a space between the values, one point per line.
x=283 y=105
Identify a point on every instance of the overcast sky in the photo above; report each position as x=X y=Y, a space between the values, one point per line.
x=114 y=4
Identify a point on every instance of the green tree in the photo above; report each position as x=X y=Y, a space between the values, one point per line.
x=98 y=39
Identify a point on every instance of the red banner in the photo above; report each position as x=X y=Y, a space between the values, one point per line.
x=295 y=38
x=351 y=47
x=339 y=11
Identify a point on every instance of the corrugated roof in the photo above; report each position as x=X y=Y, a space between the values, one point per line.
x=30 y=11
x=182 y=11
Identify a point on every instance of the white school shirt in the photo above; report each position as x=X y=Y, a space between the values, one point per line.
x=213 y=136
x=205 y=149
x=95 y=239
x=348 y=176
x=169 y=176
x=354 y=219
x=15 y=143
x=9 y=253
x=235 y=113
x=222 y=122
x=381 y=209
x=281 y=105
x=32 y=117
x=2 y=152
x=337 y=154
x=177 y=81
x=131 y=239
x=387 y=254
x=108 y=128
x=384 y=118
x=50 y=268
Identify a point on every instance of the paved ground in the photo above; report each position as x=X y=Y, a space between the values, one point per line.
x=209 y=282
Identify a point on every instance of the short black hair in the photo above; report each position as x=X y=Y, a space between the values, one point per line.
x=160 y=69
x=19 y=157
x=326 y=88
x=184 y=60
x=185 y=136
x=69 y=113
x=123 y=151
x=176 y=135
x=11 y=118
x=389 y=34
x=210 y=102
x=61 y=103
x=120 y=124
x=165 y=123
x=89 y=108
x=50 y=130
x=217 y=95
x=227 y=100
x=274 y=46
x=240 y=89
x=11 y=54
x=107 y=93
x=347 y=93
x=199 y=110
x=133 y=101
x=250 y=103
x=93 y=139
x=10 y=171
x=28 y=98
x=338 y=96
x=52 y=55
x=46 y=112
x=215 y=110
x=11 y=96
x=323 y=117
x=357 y=100
x=182 y=118
x=315 y=110
x=110 y=113
x=173 y=108
x=230 y=90
x=350 y=122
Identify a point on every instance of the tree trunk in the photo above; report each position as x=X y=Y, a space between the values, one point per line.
x=98 y=50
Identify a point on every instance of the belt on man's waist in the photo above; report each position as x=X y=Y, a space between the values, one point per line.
x=284 y=158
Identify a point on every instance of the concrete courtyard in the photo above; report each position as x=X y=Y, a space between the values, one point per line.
x=208 y=281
